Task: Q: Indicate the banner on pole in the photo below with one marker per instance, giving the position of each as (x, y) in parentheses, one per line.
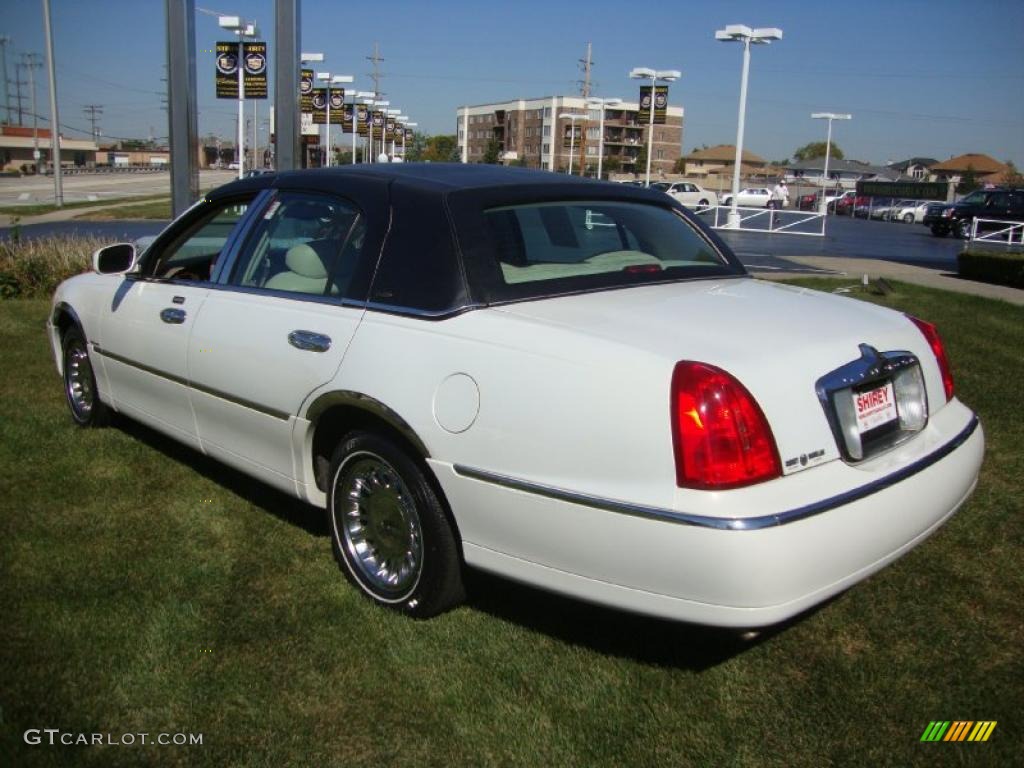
(660, 104)
(254, 73)
(363, 119)
(337, 97)
(320, 106)
(306, 91)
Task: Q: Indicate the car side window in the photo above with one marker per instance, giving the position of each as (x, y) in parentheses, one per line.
(303, 243)
(193, 253)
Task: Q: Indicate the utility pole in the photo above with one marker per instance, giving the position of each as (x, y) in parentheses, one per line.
(18, 83)
(51, 68)
(586, 65)
(30, 62)
(92, 112)
(376, 75)
(4, 40)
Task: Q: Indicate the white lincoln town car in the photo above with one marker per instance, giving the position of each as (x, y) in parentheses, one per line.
(569, 383)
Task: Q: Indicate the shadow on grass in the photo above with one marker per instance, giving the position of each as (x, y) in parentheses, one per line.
(282, 506)
(649, 640)
(607, 631)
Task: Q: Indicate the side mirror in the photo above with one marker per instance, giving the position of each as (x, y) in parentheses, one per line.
(115, 259)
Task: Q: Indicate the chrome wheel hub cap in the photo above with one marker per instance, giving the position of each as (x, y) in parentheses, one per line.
(78, 381)
(378, 525)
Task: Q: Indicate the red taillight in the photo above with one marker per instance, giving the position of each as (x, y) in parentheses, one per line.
(931, 335)
(721, 437)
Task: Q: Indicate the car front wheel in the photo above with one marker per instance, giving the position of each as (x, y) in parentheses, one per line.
(389, 530)
(963, 229)
(80, 383)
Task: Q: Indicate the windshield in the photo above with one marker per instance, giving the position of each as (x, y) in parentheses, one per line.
(976, 197)
(569, 246)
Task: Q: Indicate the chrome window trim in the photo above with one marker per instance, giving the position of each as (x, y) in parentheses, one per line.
(725, 523)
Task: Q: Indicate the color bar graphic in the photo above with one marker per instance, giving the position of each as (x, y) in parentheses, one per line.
(958, 730)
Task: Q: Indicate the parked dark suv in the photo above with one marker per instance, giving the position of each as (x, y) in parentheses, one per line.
(994, 206)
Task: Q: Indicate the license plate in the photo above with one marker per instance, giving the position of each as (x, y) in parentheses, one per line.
(874, 407)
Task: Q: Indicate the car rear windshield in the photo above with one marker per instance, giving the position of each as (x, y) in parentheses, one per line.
(556, 247)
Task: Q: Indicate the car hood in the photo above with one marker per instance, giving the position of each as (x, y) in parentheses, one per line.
(778, 340)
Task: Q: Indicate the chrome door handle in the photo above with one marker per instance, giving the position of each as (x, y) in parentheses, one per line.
(309, 341)
(173, 316)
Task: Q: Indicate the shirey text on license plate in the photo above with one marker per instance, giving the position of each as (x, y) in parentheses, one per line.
(874, 407)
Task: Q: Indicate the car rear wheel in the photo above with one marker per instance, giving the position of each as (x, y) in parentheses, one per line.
(908, 218)
(702, 206)
(80, 383)
(390, 532)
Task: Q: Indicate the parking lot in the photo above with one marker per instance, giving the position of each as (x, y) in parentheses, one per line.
(858, 238)
(32, 190)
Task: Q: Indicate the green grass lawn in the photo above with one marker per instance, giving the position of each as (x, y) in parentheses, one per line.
(37, 209)
(157, 209)
(144, 588)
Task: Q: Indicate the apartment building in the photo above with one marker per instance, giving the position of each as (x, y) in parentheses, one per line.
(532, 132)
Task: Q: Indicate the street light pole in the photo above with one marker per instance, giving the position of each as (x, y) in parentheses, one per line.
(601, 104)
(830, 116)
(572, 117)
(243, 29)
(355, 117)
(743, 34)
(666, 76)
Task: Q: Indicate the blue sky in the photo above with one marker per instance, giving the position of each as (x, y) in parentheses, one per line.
(931, 78)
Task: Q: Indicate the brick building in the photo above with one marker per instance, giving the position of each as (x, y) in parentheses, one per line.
(530, 132)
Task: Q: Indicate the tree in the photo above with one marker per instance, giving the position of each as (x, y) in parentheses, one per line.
(492, 155)
(679, 166)
(1013, 177)
(610, 164)
(440, 149)
(641, 160)
(817, 149)
(415, 147)
(968, 182)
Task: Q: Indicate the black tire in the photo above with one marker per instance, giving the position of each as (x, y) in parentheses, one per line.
(702, 206)
(80, 391)
(908, 218)
(939, 231)
(389, 530)
(963, 228)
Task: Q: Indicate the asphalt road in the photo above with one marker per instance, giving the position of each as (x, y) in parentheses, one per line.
(31, 190)
(902, 243)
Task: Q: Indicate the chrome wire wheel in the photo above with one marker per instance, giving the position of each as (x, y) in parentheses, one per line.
(78, 380)
(377, 523)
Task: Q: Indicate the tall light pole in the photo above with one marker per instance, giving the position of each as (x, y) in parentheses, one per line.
(406, 124)
(830, 116)
(331, 80)
(740, 33)
(243, 29)
(392, 113)
(665, 76)
(58, 187)
(373, 103)
(572, 117)
(355, 117)
(601, 104)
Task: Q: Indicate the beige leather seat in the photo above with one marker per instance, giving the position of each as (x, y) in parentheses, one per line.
(305, 273)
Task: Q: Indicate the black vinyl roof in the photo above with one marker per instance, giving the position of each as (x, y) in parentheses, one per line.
(439, 177)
